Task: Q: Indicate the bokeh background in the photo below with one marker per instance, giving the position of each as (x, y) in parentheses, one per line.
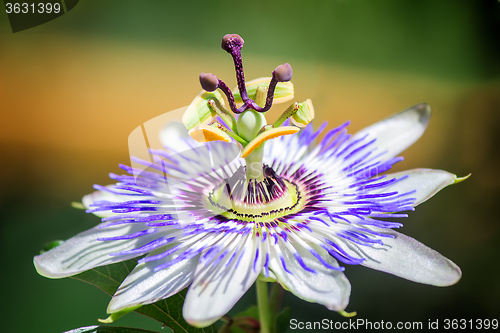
(73, 89)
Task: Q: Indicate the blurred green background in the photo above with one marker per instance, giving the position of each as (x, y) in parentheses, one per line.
(72, 90)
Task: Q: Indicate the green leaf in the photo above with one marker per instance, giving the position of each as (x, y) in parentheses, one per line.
(108, 278)
(283, 321)
(51, 245)
(167, 311)
(108, 329)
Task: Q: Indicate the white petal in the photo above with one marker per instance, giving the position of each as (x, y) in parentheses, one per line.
(217, 288)
(106, 196)
(328, 287)
(84, 251)
(175, 136)
(397, 132)
(405, 257)
(145, 286)
(426, 182)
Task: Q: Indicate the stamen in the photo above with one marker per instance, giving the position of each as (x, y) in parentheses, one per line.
(292, 109)
(204, 133)
(267, 135)
(228, 132)
(224, 114)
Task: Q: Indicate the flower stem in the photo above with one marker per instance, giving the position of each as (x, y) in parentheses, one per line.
(263, 304)
(218, 125)
(274, 305)
(254, 160)
(254, 164)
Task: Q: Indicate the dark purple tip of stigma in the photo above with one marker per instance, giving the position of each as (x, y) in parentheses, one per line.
(283, 73)
(232, 44)
(209, 81)
(230, 41)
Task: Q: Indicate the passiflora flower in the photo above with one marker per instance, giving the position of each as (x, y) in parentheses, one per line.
(246, 200)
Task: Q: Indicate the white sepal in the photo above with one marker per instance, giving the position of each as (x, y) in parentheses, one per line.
(145, 286)
(328, 287)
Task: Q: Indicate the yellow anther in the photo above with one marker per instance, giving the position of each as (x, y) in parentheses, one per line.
(304, 115)
(205, 133)
(267, 135)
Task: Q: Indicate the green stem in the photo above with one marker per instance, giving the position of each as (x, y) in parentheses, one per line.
(263, 304)
(250, 126)
(237, 138)
(254, 164)
(286, 114)
(224, 114)
(273, 305)
(218, 125)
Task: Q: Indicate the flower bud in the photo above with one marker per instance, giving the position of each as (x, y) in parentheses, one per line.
(283, 73)
(209, 81)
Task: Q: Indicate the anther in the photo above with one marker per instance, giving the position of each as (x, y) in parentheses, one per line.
(209, 81)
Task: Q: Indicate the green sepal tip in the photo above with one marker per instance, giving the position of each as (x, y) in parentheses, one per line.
(116, 315)
(347, 314)
(461, 179)
(77, 205)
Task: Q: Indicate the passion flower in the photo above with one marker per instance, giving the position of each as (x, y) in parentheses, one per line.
(255, 200)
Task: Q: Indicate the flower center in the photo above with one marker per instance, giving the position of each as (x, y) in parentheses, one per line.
(253, 200)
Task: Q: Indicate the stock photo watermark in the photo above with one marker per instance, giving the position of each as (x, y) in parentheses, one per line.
(28, 14)
(364, 324)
